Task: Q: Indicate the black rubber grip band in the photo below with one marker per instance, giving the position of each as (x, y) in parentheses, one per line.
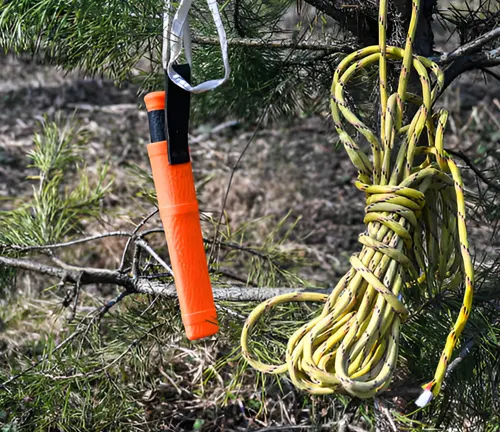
(156, 121)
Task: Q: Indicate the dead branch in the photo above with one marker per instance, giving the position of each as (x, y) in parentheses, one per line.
(143, 244)
(87, 275)
(20, 248)
(230, 293)
(470, 62)
(136, 230)
(469, 48)
(346, 48)
(145, 286)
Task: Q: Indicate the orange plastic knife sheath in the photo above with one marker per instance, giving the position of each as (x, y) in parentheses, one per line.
(174, 184)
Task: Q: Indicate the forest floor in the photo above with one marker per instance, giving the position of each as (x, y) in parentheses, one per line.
(296, 169)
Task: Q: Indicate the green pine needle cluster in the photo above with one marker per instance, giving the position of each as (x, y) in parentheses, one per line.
(97, 380)
(122, 40)
(57, 207)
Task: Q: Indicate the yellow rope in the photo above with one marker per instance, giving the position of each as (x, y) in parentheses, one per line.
(415, 216)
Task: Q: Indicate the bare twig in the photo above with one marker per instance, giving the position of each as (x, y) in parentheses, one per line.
(156, 276)
(145, 233)
(469, 48)
(279, 44)
(476, 170)
(143, 244)
(135, 261)
(75, 300)
(230, 181)
(262, 116)
(245, 149)
(108, 305)
(380, 404)
(137, 228)
(491, 73)
(21, 248)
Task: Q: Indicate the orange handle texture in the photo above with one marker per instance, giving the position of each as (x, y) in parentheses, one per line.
(179, 213)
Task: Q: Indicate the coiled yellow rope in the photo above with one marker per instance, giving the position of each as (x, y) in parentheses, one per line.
(413, 215)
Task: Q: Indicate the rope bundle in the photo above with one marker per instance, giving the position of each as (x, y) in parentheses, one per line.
(415, 216)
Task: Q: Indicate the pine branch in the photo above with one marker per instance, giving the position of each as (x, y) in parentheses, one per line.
(132, 345)
(470, 62)
(20, 248)
(137, 228)
(144, 286)
(279, 44)
(469, 48)
(80, 329)
(231, 294)
(41, 360)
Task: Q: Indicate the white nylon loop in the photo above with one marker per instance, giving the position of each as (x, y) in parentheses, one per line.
(179, 34)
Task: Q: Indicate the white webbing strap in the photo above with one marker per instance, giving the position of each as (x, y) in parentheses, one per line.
(178, 32)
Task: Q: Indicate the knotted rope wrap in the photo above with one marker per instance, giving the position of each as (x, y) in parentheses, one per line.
(415, 216)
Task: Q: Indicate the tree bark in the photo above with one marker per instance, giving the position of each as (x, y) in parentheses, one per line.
(232, 293)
